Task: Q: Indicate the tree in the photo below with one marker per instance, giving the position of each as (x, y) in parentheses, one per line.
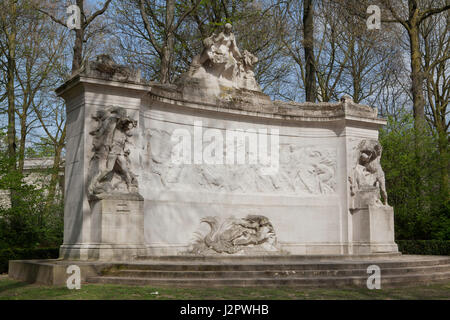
(257, 29)
(435, 41)
(39, 50)
(80, 34)
(9, 16)
(417, 12)
(165, 47)
(430, 220)
(348, 58)
(51, 115)
(308, 43)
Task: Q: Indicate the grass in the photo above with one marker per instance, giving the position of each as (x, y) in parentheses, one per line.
(16, 290)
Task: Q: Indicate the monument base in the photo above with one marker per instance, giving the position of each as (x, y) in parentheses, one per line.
(101, 251)
(373, 230)
(117, 231)
(240, 271)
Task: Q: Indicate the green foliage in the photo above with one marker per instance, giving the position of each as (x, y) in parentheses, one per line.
(44, 148)
(29, 221)
(428, 247)
(24, 254)
(421, 211)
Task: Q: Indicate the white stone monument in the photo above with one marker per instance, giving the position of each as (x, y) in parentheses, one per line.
(211, 166)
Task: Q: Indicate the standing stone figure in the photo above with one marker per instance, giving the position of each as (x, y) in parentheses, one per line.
(111, 154)
(368, 171)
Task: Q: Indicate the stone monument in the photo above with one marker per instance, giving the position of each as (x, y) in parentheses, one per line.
(307, 179)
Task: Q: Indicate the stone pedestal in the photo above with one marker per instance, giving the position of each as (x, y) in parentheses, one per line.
(373, 225)
(118, 219)
(117, 229)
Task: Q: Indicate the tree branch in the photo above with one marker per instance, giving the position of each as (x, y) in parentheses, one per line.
(148, 28)
(52, 17)
(98, 12)
(432, 11)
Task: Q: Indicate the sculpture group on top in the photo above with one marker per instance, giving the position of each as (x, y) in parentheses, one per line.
(222, 61)
(368, 174)
(110, 165)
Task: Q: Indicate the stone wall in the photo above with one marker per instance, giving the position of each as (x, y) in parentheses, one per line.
(306, 207)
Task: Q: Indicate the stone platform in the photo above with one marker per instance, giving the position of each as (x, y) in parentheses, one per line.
(243, 271)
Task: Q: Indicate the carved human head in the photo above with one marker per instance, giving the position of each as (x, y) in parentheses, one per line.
(378, 149)
(228, 28)
(364, 157)
(100, 115)
(126, 123)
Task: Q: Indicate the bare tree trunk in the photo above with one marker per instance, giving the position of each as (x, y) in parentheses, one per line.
(416, 76)
(308, 43)
(54, 179)
(167, 49)
(11, 65)
(418, 104)
(79, 38)
(23, 137)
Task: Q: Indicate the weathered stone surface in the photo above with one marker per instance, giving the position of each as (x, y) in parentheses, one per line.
(373, 229)
(307, 195)
(367, 175)
(221, 65)
(218, 271)
(253, 234)
(105, 67)
(109, 167)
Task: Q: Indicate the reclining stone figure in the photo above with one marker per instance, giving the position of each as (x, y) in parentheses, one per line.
(222, 61)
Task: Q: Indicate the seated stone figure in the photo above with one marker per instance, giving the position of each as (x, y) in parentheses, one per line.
(222, 54)
(222, 61)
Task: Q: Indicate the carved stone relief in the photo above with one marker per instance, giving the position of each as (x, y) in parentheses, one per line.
(367, 175)
(231, 235)
(302, 170)
(110, 168)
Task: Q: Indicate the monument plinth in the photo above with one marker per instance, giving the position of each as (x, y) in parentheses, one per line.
(212, 166)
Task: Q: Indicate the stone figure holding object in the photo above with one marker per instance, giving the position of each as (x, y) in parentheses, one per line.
(111, 153)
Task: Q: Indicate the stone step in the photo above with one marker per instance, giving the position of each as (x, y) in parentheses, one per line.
(268, 258)
(280, 273)
(359, 281)
(330, 265)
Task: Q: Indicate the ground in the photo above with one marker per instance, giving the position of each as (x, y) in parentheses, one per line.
(16, 290)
